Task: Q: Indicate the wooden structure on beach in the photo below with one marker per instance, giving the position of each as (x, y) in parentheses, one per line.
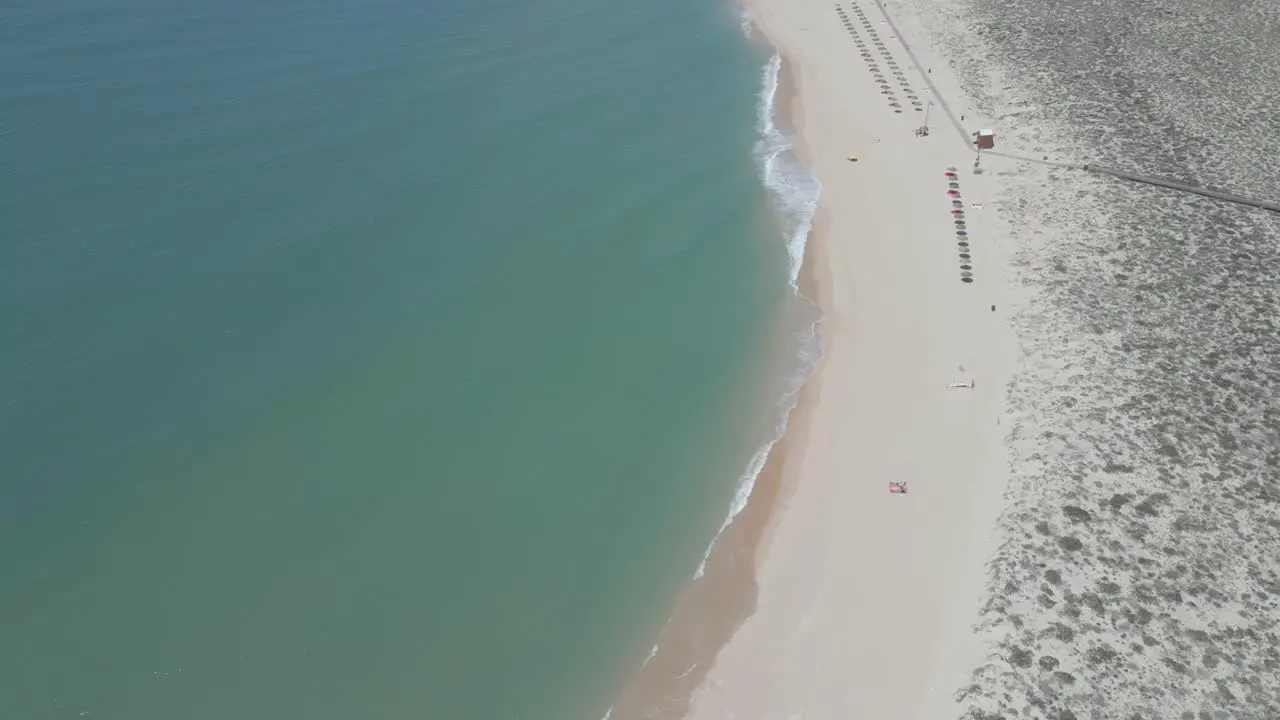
(985, 139)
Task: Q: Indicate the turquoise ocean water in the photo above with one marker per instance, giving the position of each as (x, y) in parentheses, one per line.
(371, 360)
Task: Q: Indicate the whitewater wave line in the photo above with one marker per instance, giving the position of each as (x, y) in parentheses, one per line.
(795, 193)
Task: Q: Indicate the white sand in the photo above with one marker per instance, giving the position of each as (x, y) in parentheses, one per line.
(867, 598)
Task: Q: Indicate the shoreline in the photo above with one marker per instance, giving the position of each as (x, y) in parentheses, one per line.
(722, 593)
(777, 647)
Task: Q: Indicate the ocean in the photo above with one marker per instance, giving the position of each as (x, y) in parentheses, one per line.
(377, 360)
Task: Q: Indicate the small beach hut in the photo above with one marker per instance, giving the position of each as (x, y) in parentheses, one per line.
(986, 139)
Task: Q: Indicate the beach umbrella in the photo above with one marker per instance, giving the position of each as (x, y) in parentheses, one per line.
(957, 212)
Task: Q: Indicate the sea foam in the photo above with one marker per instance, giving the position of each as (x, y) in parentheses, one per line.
(793, 192)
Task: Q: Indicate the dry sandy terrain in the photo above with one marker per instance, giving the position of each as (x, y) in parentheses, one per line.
(1091, 532)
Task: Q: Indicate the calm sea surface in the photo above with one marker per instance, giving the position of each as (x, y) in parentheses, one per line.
(368, 360)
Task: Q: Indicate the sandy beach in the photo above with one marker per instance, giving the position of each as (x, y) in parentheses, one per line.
(866, 597)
